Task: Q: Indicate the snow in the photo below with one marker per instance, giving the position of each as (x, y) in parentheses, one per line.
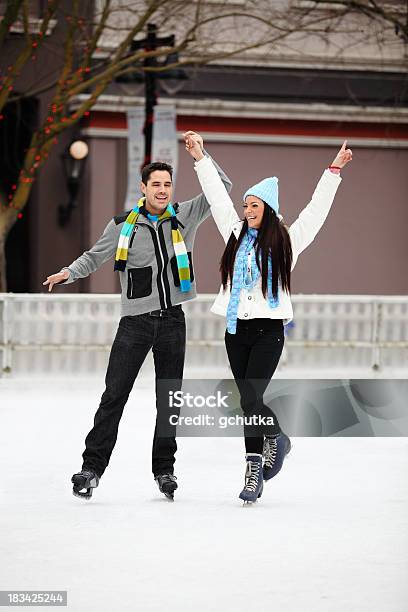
(329, 534)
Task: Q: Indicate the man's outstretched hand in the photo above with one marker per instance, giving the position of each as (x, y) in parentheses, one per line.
(54, 279)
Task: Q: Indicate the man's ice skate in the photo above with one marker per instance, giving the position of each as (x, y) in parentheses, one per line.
(274, 451)
(84, 482)
(167, 484)
(253, 479)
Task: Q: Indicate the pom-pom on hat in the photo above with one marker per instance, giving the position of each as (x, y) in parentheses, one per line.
(266, 190)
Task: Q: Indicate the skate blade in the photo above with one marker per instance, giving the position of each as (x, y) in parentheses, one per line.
(169, 496)
(248, 502)
(82, 494)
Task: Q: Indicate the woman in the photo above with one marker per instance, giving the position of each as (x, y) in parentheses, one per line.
(256, 267)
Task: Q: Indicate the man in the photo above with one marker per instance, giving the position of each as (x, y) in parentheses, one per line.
(152, 246)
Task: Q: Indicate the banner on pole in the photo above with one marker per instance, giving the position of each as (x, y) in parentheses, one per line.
(136, 153)
(165, 145)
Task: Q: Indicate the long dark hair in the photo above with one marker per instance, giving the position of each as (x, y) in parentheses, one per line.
(273, 239)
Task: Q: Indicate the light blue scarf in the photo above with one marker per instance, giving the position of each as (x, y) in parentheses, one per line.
(242, 280)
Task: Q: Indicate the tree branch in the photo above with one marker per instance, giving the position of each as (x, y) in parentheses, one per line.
(31, 46)
(10, 16)
(374, 11)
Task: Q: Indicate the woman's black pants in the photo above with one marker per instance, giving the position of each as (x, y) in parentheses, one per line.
(254, 352)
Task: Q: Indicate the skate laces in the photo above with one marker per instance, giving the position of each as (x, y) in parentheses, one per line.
(86, 474)
(270, 451)
(252, 476)
(168, 478)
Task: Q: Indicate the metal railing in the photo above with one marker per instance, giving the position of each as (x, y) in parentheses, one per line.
(337, 335)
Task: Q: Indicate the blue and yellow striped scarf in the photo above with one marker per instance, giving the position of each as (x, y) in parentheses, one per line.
(180, 250)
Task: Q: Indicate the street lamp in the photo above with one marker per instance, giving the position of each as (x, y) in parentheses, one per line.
(150, 43)
(73, 161)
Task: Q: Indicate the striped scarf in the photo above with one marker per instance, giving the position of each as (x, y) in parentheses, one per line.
(242, 279)
(180, 250)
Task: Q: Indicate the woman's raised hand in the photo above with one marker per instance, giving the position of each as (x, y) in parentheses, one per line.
(343, 157)
(194, 144)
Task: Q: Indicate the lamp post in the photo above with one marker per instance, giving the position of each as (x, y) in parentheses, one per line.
(73, 161)
(151, 43)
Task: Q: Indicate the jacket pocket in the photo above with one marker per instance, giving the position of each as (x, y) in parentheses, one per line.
(139, 282)
(174, 269)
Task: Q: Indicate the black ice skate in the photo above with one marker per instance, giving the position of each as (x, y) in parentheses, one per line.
(84, 482)
(167, 484)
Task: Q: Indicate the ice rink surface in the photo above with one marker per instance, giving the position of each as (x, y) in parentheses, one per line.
(330, 533)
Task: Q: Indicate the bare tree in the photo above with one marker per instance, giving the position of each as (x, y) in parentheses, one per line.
(95, 50)
(393, 13)
(84, 69)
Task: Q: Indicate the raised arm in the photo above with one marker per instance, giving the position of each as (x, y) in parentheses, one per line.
(91, 260)
(222, 207)
(304, 230)
(198, 208)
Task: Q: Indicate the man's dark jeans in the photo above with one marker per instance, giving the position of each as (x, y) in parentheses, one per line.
(136, 335)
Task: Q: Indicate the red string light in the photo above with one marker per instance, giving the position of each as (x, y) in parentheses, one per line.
(54, 109)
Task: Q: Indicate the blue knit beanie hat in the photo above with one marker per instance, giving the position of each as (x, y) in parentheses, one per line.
(266, 190)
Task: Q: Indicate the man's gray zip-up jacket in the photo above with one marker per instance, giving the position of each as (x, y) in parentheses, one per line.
(150, 280)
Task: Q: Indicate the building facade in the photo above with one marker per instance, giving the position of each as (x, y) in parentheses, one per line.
(283, 112)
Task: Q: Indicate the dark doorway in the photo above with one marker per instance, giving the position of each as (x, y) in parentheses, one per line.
(15, 135)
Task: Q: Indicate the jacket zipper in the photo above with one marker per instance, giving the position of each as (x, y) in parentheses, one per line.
(162, 262)
(166, 265)
(131, 283)
(160, 273)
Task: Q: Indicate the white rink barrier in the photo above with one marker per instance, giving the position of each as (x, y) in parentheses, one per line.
(331, 336)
